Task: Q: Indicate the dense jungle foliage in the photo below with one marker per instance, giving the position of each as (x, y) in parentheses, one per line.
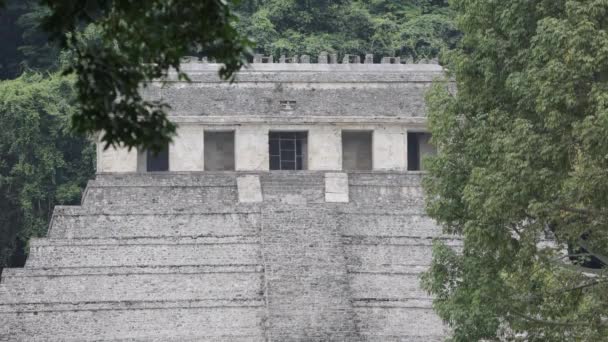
(42, 163)
(413, 29)
(522, 173)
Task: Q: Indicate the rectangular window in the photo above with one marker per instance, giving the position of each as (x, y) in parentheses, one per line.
(156, 162)
(356, 150)
(219, 151)
(287, 150)
(418, 146)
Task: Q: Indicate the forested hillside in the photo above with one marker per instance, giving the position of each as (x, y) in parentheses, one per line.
(408, 28)
(42, 163)
(24, 44)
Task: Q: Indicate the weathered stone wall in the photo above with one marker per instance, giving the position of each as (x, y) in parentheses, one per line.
(322, 99)
(331, 90)
(130, 265)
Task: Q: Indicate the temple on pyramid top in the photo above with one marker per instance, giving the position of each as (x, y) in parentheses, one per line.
(291, 115)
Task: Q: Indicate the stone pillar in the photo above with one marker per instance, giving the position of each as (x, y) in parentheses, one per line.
(118, 159)
(186, 152)
(324, 148)
(323, 58)
(333, 58)
(252, 148)
(389, 148)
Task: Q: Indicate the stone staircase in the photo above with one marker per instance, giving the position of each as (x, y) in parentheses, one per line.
(175, 257)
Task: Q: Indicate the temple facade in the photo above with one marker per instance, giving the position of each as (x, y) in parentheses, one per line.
(287, 208)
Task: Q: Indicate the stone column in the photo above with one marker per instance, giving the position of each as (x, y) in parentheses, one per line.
(252, 148)
(324, 148)
(186, 153)
(389, 148)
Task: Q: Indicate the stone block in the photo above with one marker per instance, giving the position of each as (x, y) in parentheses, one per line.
(249, 188)
(323, 58)
(336, 187)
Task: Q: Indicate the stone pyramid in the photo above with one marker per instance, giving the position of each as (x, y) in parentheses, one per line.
(246, 255)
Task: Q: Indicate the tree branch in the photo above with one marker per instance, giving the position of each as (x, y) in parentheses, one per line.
(584, 211)
(555, 323)
(602, 258)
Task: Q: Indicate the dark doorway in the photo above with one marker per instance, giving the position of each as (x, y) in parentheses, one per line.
(156, 162)
(219, 151)
(19, 255)
(418, 146)
(356, 150)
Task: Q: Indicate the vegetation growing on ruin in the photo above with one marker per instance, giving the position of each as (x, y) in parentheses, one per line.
(521, 174)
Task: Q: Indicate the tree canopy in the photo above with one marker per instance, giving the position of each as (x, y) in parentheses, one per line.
(138, 42)
(521, 173)
(25, 43)
(42, 162)
(414, 29)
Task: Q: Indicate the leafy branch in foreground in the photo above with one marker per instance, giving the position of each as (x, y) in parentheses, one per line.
(139, 41)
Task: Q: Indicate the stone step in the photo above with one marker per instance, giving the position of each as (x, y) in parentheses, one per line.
(388, 224)
(368, 254)
(293, 187)
(384, 287)
(371, 189)
(394, 323)
(177, 196)
(129, 284)
(200, 188)
(386, 190)
(169, 190)
(183, 251)
(109, 222)
(239, 321)
(207, 178)
(387, 196)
